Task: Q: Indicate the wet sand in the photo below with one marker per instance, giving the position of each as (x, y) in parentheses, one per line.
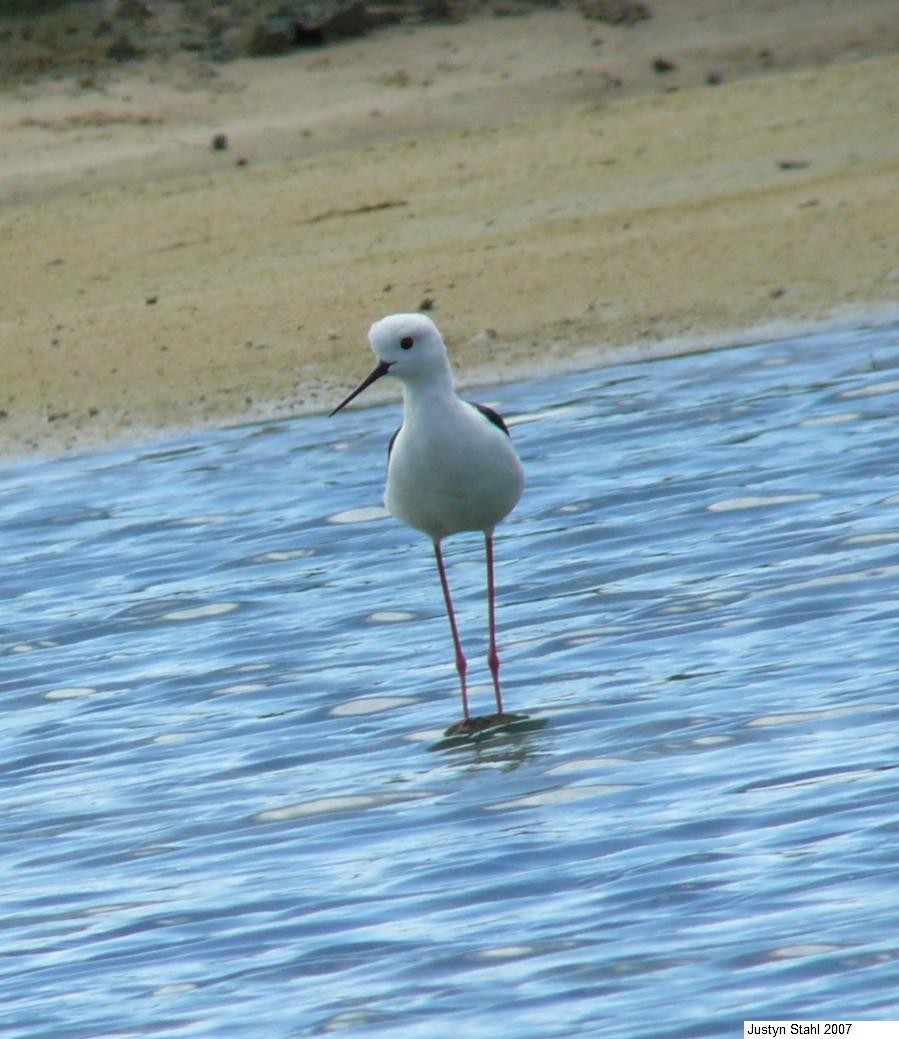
(534, 180)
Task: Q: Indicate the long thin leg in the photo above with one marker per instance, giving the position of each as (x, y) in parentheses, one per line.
(493, 654)
(461, 663)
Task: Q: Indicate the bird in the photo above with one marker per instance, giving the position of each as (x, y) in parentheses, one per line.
(451, 468)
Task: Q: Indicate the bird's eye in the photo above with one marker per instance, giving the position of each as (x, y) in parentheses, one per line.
(407, 342)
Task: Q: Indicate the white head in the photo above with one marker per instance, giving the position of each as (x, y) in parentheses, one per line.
(409, 347)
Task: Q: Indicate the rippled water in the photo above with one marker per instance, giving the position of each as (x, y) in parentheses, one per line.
(224, 670)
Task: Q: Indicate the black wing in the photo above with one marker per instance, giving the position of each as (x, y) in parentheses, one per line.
(492, 416)
(392, 441)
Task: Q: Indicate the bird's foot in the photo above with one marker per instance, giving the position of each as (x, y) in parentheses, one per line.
(470, 726)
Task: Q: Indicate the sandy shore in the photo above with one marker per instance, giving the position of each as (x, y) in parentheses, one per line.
(556, 200)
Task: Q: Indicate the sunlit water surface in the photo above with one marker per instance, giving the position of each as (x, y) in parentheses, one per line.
(224, 670)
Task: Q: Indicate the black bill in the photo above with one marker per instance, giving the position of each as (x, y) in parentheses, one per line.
(382, 369)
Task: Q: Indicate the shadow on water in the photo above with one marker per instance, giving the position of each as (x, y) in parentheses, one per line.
(223, 667)
(493, 729)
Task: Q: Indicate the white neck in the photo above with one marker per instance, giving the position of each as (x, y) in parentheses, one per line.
(430, 388)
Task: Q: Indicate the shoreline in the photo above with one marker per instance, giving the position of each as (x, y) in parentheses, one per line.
(549, 222)
(584, 358)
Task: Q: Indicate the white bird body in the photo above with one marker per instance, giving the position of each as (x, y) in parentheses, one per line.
(451, 465)
(451, 469)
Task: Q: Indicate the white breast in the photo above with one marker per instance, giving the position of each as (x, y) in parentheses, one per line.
(451, 472)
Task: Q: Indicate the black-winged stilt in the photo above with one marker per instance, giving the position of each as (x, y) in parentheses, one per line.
(451, 467)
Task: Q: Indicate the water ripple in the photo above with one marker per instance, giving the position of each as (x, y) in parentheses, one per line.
(226, 671)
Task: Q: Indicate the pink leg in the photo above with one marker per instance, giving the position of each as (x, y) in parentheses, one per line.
(493, 654)
(461, 664)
